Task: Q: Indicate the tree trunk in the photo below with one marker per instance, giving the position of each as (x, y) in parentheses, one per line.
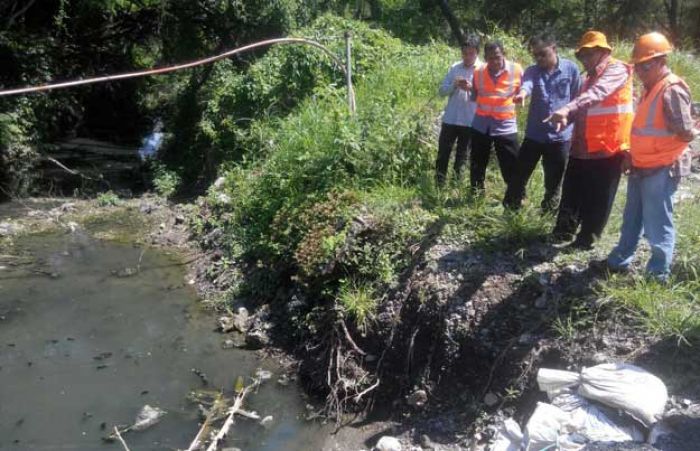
(672, 12)
(452, 20)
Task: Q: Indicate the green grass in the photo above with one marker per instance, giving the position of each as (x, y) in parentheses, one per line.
(359, 302)
(671, 309)
(300, 173)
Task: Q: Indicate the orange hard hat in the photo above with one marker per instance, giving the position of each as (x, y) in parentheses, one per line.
(592, 39)
(650, 46)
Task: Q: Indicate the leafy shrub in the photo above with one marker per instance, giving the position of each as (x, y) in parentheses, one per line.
(165, 181)
(108, 199)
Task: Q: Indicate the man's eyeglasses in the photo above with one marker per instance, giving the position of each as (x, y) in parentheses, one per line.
(644, 67)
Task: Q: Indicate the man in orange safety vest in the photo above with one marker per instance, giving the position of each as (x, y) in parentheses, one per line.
(663, 127)
(494, 124)
(602, 115)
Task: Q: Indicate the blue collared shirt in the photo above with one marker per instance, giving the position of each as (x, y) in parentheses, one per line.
(549, 91)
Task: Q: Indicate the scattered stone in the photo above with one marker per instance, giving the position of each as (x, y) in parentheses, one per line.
(490, 399)
(146, 209)
(267, 422)
(417, 399)
(228, 344)
(283, 380)
(388, 443)
(125, 272)
(230, 449)
(179, 219)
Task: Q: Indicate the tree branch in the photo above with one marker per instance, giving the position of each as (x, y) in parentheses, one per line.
(451, 19)
(19, 13)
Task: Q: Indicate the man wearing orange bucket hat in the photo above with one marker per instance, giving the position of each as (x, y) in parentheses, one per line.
(662, 128)
(602, 115)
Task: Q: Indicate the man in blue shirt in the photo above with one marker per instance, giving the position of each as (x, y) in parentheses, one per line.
(551, 83)
(459, 111)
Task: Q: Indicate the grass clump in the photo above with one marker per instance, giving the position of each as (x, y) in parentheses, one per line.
(107, 199)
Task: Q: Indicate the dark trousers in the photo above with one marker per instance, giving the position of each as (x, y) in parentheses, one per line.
(554, 157)
(588, 194)
(506, 153)
(450, 133)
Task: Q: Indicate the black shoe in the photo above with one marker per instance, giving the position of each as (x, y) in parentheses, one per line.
(602, 267)
(581, 245)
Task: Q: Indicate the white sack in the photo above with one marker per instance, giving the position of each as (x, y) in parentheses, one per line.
(621, 386)
(509, 437)
(626, 387)
(547, 427)
(593, 424)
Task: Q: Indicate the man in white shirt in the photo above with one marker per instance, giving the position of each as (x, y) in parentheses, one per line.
(459, 112)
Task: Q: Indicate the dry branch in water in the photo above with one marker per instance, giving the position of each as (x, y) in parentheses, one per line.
(235, 409)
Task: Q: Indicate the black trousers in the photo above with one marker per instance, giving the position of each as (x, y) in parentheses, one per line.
(450, 133)
(554, 156)
(506, 153)
(588, 194)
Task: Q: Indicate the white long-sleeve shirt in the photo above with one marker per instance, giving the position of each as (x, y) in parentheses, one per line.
(460, 109)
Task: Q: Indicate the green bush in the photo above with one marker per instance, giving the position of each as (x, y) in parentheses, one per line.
(165, 181)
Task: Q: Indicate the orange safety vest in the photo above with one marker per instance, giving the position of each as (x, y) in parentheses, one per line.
(609, 122)
(653, 144)
(495, 99)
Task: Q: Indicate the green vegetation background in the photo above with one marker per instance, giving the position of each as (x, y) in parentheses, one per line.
(333, 204)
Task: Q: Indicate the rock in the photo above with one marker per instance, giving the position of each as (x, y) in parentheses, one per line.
(257, 338)
(541, 302)
(234, 340)
(230, 449)
(8, 229)
(219, 182)
(179, 219)
(417, 399)
(283, 380)
(146, 209)
(225, 324)
(223, 198)
(388, 443)
(426, 443)
(490, 399)
(267, 422)
(67, 207)
(241, 320)
(147, 417)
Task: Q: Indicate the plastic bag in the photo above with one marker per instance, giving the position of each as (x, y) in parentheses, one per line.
(593, 424)
(622, 386)
(548, 428)
(509, 437)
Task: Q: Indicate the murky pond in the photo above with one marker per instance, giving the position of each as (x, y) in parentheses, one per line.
(82, 349)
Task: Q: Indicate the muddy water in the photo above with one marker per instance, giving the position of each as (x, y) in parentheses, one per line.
(82, 349)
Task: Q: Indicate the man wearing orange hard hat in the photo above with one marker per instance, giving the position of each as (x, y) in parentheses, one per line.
(662, 129)
(602, 115)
